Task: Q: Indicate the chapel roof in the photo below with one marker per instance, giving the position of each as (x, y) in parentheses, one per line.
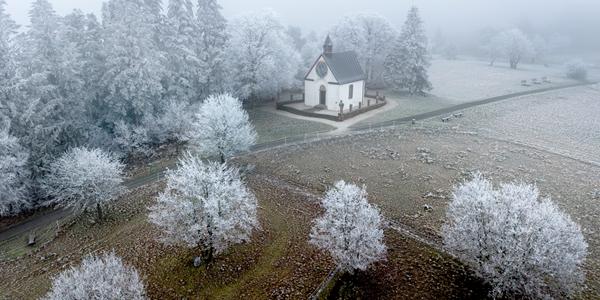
(344, 66)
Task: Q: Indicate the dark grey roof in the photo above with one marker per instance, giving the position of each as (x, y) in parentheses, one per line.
(345, 66)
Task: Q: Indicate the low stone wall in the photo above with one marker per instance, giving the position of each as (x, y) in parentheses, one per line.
(362, 110)
(283, 106)
(340, 117)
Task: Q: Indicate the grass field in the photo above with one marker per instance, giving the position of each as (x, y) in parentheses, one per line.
(466, 80)
(272, 127)
(406, 169)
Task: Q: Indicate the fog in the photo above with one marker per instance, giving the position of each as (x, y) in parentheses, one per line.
(461, 19)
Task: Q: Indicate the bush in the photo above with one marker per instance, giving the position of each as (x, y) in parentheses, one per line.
(519, 244)
(577, 70)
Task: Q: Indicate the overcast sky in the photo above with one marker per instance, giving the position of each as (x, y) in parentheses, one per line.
(452, 16)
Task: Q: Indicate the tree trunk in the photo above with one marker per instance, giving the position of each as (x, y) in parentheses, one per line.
(99, 212)
(209, 255)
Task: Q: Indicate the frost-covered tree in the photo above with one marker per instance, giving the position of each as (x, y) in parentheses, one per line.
(213, 37)
(84, 179)
(520, 244)
(222, 127)
(512, 44)
(261, 56)
(312, 48)
(576, 69)
(42, 113)
(98, 277)
(173, 125)
(14, 181)
(205, 206)
(134, 62)
(540, 48)
(185, 69)
(8, 29)
(371, 36)
(406, 65)
(350, 229)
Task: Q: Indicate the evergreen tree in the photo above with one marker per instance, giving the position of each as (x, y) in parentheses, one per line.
(43, 109)
(134, 65)
(406, 65)
(213, 37)
(8, 29)
(184, 67)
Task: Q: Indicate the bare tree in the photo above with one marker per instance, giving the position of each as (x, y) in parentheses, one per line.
(205, 206)
(350, 229)
(98, 277)
(519, 244)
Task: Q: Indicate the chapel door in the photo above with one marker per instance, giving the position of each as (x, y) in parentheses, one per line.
(323, 95)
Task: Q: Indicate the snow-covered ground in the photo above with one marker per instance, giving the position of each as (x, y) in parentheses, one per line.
(467, 80)
(565, 122)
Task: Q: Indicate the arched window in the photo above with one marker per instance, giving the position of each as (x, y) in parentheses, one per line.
(351, 91)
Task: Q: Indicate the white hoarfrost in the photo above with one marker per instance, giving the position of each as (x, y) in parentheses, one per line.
(520, 244)
(222, 127)
(371, 36)
(407, 63)
(14, 178)
(205, 206)
(98, 277)
(576, 69)
(350, 229)
(84, 179)
(261, 56)
(512, 44)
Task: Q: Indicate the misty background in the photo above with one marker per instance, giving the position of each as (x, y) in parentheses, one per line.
(574, 22)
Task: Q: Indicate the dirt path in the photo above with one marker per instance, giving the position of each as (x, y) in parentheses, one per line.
(50, 216)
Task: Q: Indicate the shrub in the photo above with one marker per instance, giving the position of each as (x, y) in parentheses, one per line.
(577, 70)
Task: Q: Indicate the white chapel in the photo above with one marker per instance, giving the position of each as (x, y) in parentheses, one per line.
(334, 78)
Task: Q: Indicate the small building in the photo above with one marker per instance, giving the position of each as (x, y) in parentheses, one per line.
(334, 78)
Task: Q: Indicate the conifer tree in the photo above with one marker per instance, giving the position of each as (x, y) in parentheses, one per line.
(213, 37)
(184, 67)
(406, 65)
(8, 29)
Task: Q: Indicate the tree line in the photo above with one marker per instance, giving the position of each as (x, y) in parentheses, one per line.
(136, 77)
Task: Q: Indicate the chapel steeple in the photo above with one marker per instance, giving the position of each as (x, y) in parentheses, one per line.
(328, 46)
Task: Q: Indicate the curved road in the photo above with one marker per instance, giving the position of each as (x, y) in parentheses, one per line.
(51, 216)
